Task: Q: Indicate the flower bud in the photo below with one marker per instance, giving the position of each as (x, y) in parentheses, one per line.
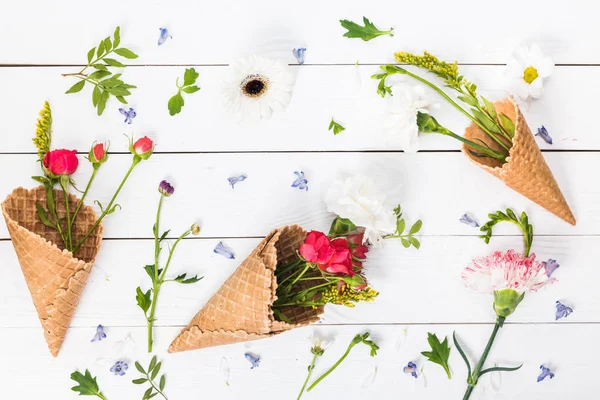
(98, 154)
(195, 229)
(506, 301)
(143, 147)
(61, 162)
(166, 189)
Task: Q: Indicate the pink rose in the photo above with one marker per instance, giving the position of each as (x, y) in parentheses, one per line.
(316, 249)
(341, 262)
(143, 147)
(61, 162)
(98, 154)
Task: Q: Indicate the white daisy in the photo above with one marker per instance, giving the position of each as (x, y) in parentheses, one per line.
(403, 106)
(257, 87)
(526, 71)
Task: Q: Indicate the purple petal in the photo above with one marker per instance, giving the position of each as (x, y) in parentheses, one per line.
(254, 360)
(235, 179)
(543, 133)
(466, 219)
(224, 251)
(550, 266)
(562, 311)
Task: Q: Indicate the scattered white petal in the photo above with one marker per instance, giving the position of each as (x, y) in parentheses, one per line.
(369, 379)
(401, 339)
(224, 370)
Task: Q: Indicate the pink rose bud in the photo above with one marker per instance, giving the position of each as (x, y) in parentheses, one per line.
(143, 147)
(61, 162)
(98, 154)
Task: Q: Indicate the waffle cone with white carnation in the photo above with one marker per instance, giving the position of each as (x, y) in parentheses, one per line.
(241, 310)
(55, 277)
(525, 169)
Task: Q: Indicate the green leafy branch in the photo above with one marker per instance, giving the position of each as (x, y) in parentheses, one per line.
(87, 384)
(176, 102)
(407, 239)
(150, 375)
(337, 128)
(366, 33)
(440, 352)
(104, 82)
(509, 216)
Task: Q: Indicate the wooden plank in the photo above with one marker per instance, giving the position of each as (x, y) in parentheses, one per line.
(437, 188)
(213, 34)
(416, 286)
(346, 93)
(284, 360)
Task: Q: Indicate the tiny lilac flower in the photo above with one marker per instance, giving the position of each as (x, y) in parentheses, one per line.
(300, 182)
(299, 54)
(543, 133)
(119, 368)
(411, 368)
(562, 311)
(224, 251)
(164, 34)
(255, 361)
(466, 219)
(195, 229)
(166, 189)
(545, 373)
(550, 266)
(99, 334)
(235, 179)
(129, 115)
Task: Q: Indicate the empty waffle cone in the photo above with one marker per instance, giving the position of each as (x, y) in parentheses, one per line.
(525, 169)
(241, 310)
(54, 276)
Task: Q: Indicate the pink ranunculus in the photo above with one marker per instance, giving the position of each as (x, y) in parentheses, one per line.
(98, 154)
(341, 262)
(316, 248)
(143, 147)
(61, 162)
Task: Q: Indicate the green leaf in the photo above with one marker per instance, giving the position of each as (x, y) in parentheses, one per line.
(111, 82)
(485, 120)
(415, 242)
(175, 104)
(139, 367)
(152, 364)
(121, 99)
(99, 74)
(499, 369)
(87, 384)
(337, 128)
(90, 55)
(140, 381)
(123, 52)
(400, 226)
(143, 300)
(190, 76)
(163, 381)
(100, 67)
(440, 352)
(117, 37)
(507, 124)
(164, 235)
(366, 33)
(416, 227)
(147, 393)
(43, 214)
(469, 100)
(489, 107)
(405, 242)
(76, 87)
(341, 227)
(96, 96)
(182, 279)
(114, 63)
(155, 371)
(118, 91)
(107, 44)
(100, 50)
(462, 353)
(190, 89)
(150, 271)
(102, 103)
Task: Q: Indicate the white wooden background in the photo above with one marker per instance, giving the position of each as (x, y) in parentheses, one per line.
(197, 150)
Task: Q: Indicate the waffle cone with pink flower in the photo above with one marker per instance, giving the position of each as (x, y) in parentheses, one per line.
(525, 169)
(55, 277)
(241, 311)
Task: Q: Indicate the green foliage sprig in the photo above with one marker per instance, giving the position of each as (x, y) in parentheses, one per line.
(509, 216)
(87, 384)
(337, 128)
(189, 78)
(43, 131)
(102, 79)
(440, 352)
(366, 33)
(149, 376)
(407, 239)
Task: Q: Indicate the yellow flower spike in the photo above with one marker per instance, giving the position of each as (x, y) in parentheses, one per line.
(43, 131)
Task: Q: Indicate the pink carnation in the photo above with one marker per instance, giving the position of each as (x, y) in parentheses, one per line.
(502, 270)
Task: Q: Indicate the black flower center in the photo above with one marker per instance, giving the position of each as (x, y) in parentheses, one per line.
(254, 85)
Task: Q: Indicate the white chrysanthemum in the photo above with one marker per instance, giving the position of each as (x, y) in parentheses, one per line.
(359, 200)
(526, 71)
(257, 87)
(403, 106)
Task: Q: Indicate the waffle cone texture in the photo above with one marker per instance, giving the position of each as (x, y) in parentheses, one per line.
(525, 169)
(241, 309)
(55, 277)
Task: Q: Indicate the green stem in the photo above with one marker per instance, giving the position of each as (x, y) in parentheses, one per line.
(136, 161)
(488, 151)
(150, 319)
(85, 193)
(300, 304)
(183, 235)
(315, 383)
(310, 370)
(472, 380)
(101, 396)
(65, 188)
(155, 388)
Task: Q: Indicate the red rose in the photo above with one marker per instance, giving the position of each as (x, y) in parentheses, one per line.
(98, 154)
(341, 262)
(61, 162)
(316, 249)
(142, 147)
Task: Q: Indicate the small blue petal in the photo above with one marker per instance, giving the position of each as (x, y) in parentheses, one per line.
(119, 368)
(543, 133)
(546, 372)
(550, 266)
(300, 182)
(255, 361)
(411, 368)
(164, 34)
(299, 54)
(224, 251)
(99, 334)
(562, 311)
(235, 179)
(129, 115)
(466, 219)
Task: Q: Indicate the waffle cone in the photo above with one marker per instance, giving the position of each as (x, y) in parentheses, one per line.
(241, 310)
(55, 277)
(525, 170)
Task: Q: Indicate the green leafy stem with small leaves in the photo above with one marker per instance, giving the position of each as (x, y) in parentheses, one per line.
(104, 82)
(147, 300)
(149, 376)
(177, 102)
(509, 216)
(407, 239)
(87, 384)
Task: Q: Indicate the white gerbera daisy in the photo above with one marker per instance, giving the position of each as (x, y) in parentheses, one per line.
(526, 71)
(257, 87)
(401, 121)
